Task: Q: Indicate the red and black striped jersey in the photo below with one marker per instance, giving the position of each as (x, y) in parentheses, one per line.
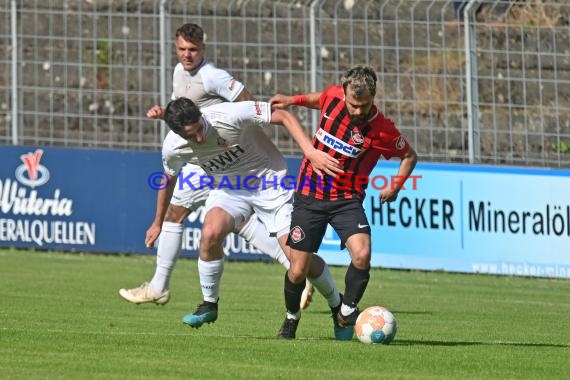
(357, 147)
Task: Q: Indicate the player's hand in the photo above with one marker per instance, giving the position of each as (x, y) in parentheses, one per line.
(389, 195)
(280, 101)
(323, 163)
(151, 235)
(155, 112)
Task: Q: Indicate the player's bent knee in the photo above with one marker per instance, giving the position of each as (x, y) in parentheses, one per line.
(296, 277)
(212, 235)
(298, 273)
(361, 260)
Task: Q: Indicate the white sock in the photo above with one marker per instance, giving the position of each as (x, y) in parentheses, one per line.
(346, 310)
(255, 233)
(295, 316)
(326, 286)
(210, 276)
(169, 245)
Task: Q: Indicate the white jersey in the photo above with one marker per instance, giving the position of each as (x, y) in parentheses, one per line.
(206, 85)
(235, 145)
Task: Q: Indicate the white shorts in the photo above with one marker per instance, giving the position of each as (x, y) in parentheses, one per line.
(187, 196)
(272, 206)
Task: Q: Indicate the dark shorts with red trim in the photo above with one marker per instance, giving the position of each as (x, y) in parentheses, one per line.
(311, 216)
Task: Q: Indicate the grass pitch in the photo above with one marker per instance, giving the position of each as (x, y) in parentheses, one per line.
(61, 317)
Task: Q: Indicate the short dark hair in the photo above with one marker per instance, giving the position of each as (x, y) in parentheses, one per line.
(181, 112)
(191, 33)
(360, 78)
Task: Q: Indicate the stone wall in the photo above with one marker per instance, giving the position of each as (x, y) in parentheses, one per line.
(90, 70)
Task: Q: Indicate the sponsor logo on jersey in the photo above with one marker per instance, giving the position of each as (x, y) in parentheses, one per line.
(31, 173)
(297, 234)
(225, 160)
(222, 142)
(337, 144)
(401, 143)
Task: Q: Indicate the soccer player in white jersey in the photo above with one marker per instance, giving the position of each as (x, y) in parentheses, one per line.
(247, 173)
(197, 79)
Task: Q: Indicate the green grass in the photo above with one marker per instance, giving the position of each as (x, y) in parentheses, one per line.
(61, 317)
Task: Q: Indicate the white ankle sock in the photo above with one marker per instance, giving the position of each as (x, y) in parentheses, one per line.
(346, 310)
(169, 244)
(210, 276)
(295, 316)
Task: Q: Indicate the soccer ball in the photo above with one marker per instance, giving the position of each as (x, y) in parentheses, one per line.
(376, 324)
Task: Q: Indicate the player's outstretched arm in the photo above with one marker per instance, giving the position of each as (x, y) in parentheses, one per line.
(163, 198)
(322, 162)
(310, 100)
(407, 165)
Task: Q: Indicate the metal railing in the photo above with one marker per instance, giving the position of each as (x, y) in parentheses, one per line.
(492, 88)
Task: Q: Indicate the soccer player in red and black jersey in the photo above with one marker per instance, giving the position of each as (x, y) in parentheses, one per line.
(353, 131)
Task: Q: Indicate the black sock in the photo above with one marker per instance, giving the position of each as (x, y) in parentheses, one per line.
(293, 294)
(355, 282)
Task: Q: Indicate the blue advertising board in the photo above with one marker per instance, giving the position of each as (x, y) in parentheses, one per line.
(479, 219)
(499, 220)
(87, 200)
(75, 199)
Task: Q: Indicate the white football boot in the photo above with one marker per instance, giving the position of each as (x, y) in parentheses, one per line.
(144, 294)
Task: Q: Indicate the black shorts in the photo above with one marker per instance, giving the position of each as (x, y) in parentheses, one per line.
(310, 218)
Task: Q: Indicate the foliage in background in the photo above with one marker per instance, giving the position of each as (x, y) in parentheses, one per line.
(100, 58)
(562, 147)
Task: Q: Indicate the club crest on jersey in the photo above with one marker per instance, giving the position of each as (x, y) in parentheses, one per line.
(297, 234)
(401, 143)
(222, 142)
(357, 138)
(337, 144)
